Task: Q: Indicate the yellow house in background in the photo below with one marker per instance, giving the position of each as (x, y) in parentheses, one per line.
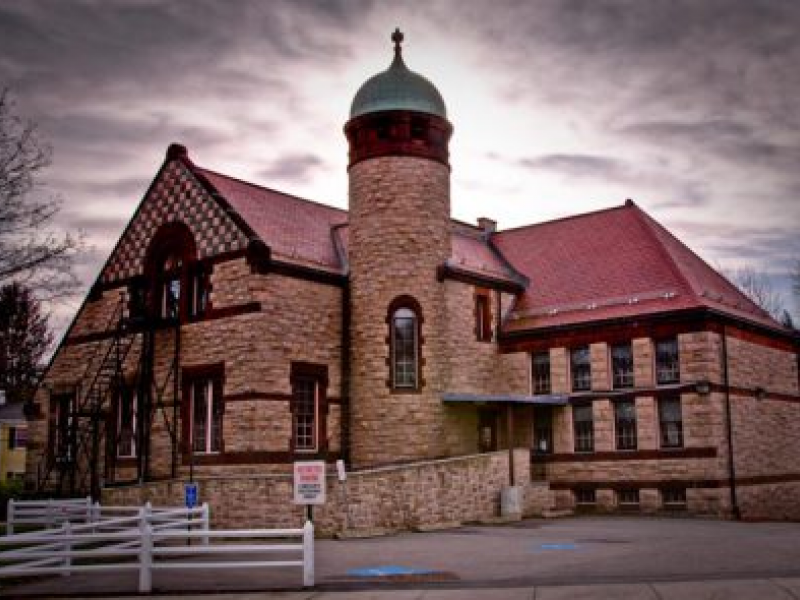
(13, 441)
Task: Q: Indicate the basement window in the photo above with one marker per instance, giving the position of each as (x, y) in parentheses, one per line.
(673, 498)
(628, 498)
(585, 497)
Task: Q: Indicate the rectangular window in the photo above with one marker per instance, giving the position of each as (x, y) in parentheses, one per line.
(17, 437)
(306, 408)
(667, 362)
(585, 496)
(309, 407)
(198, 301)
(670, 421)
(580, 369)
(483, 318)
(625, 424)
(126, 423)
(206, 415)
(622, 366)
(583, 427)
(673, 498)
(540, 371)
(60, 426)
(628, 498)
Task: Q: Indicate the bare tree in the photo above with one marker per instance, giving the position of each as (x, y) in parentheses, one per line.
(25, 338)
(31, 252)
(756, 286)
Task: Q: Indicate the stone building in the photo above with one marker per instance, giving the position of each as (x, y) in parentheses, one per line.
(593, 362)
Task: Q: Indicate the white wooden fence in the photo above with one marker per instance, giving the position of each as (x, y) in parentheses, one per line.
(151, 539)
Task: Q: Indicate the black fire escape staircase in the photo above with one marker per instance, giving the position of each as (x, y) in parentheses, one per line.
(92, 439)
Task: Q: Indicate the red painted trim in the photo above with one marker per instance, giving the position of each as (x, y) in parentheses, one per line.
(478, 279)
(264, 457)
(626, 455)
(227, 312)
(398, 133)
(667, 483)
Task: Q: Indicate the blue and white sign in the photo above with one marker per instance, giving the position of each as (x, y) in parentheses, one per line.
(191, 493)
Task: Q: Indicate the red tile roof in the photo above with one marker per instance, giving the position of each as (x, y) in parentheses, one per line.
(609, 264)
(295, 229)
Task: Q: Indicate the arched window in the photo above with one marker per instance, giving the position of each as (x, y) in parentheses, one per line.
(178, 283)
(169, 286)
(405, 320)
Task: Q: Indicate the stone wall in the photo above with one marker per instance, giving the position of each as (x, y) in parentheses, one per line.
(414, 496)
(766, 429)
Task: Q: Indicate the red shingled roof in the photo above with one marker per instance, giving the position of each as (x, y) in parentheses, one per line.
(609, 264)
(295, 229)
(612, 263)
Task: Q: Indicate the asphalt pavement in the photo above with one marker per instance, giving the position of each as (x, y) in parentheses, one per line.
(576, 558)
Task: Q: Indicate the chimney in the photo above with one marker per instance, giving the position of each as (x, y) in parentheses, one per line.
(487, 225)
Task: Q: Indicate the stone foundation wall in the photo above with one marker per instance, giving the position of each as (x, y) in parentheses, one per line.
(414, 496)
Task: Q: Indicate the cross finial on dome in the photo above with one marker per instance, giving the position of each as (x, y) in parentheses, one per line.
(397, 38)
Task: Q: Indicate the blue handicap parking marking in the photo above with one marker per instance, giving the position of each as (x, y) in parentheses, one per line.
(558, 547)
(384, 570)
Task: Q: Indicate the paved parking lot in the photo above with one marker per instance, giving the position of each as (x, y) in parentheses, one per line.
(635, 557)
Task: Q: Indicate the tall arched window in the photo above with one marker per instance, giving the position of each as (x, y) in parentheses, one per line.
(169, 286)
(405, 318)
(177, 280)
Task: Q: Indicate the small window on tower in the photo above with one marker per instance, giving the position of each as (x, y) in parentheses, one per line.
(383, 129)
(418, 129)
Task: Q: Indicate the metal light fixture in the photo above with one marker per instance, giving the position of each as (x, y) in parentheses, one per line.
(703, 387)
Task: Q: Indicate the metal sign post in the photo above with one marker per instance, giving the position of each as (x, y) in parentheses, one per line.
(309, 484)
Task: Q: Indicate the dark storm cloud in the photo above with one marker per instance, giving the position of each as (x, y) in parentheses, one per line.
(296, 167)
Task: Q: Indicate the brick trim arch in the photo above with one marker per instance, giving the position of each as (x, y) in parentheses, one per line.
(171, 238)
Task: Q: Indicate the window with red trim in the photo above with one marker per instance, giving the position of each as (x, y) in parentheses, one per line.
(204, 409)
(483, 317)
(309, 407)
(405, 322)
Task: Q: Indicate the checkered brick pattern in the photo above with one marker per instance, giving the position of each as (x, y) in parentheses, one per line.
(176, 196)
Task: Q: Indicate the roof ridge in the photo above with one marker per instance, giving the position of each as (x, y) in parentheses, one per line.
(644, 221)
(652, 225)
(590, 213)
(272, 190)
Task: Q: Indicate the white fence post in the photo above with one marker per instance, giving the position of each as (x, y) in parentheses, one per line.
(308, 554)
(67, 529)
(146, 559)
(88, 511)
(51, 519)
(10, 517)
(205, 525)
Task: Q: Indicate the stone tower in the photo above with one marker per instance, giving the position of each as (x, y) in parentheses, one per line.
(399, 235)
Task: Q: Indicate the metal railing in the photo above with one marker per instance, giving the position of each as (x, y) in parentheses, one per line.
(149, 539)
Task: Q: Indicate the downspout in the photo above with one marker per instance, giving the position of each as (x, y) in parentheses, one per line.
(344, 419)
(729, 426)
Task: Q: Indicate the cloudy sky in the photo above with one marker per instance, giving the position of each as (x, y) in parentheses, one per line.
(689, 107)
